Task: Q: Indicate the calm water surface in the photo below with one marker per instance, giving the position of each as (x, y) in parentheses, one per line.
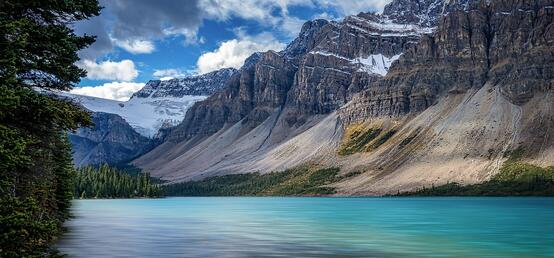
(311, 227)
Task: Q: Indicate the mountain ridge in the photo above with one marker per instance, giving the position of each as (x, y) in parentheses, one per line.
(281, 96)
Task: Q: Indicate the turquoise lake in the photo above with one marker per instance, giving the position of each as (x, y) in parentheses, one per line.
(311, 227)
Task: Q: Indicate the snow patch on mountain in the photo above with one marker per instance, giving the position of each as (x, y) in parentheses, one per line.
(372, 64)
(378, 64)
(145, 115)
(325, 53)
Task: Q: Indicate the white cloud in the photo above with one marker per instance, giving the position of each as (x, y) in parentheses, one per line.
(167, 74)
(245, 9)
(292, 25)
(121, 91)
(109, 70)
(136, 46)
(232, 53)
(191, 36)
(267, 12)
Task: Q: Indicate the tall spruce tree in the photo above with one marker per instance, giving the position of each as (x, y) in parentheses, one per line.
(38, 49)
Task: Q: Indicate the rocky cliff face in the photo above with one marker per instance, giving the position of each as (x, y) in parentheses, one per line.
(458, 102)
(505, 43)
(111, 140)
(426, 13)
(316, 74)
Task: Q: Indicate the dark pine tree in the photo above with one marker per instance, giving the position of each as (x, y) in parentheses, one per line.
(38, 50)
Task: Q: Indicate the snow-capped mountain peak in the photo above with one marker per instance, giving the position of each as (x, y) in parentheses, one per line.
(159, 103)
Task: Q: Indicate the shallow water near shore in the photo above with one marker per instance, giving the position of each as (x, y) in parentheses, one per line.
(311, 227)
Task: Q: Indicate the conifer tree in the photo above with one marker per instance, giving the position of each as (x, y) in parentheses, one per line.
(38, 49)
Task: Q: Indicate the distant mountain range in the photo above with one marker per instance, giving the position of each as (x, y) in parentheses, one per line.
(125, 129)
(428, 92)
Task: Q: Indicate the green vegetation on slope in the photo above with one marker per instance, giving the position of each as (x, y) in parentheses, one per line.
(37, 50)
(382, 139)
(514, 179)
(107, 182)
(357, 138)
(296, 181)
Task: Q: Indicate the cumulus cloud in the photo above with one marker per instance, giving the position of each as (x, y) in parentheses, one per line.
(232, 53)
(267, 12)
(121, 91)
(246, 9)
(292, 25)
(109, 70)
(191, 35)
(136, 46)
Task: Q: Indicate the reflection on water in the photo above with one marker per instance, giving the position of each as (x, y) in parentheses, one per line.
(311, 227)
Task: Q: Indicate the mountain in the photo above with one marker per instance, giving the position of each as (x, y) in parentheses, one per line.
(461, 102)
(112, 140)
(126, 129)
(279, 95)
(439, 92)
(158, 104)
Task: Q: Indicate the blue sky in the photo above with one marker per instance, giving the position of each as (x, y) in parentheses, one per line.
(140, 40)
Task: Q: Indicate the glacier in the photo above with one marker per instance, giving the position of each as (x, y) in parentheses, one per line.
(145, 115)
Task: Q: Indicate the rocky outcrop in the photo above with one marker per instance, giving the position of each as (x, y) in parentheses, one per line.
(229, 105)
(111, 140)
(425, 13)
(520, 52)
(306, 40)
